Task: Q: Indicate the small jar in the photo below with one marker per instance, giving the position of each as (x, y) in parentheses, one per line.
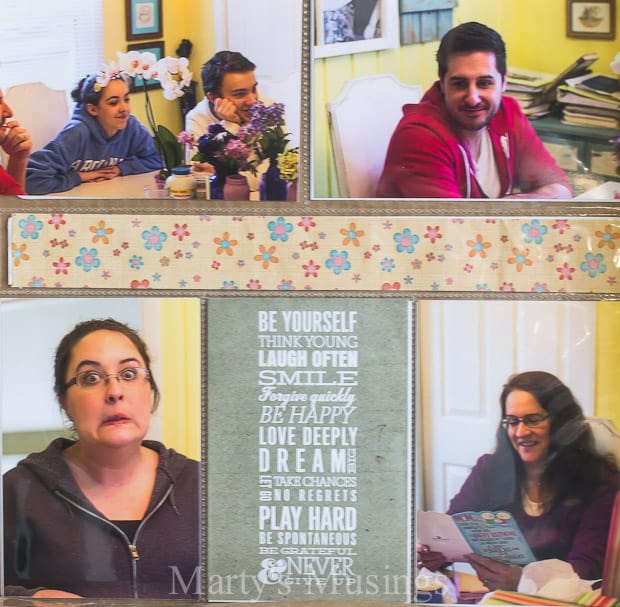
(180, 184)
(200, 183)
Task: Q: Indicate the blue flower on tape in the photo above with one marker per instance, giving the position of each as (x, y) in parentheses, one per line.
(30, 227)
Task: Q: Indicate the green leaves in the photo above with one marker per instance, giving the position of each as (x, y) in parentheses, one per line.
(169, 147)
(272, 143)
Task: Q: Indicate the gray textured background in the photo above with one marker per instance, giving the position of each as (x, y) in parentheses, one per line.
(381, 562)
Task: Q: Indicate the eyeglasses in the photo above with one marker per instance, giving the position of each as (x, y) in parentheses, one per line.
(531, 420)
(94, 378)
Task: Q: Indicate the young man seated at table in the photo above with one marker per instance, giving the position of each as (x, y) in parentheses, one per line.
(230, 89)
(464, 139)
(16, 144)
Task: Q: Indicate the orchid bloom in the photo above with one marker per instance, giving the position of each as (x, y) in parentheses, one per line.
(109, 72)
(174, 76)
(134, 63)
(171, 72)
(615, 64)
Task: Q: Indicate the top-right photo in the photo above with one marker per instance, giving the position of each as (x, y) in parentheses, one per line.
(419, 99)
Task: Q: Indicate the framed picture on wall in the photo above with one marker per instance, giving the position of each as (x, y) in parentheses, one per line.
(594, 20)
(157, 48)
(343, 27)
(143, 19)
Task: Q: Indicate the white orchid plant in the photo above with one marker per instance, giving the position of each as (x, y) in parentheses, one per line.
(175, 78)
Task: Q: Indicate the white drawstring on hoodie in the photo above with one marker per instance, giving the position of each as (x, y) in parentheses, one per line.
(471, 173)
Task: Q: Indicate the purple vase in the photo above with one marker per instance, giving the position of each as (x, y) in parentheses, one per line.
(272, 186)
(216, 186)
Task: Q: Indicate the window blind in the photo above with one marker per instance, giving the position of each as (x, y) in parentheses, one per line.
(56, 43)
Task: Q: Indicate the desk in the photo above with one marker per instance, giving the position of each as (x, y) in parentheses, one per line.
(578, 148)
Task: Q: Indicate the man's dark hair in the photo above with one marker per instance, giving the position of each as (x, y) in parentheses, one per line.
(213, 71)
(471, 37)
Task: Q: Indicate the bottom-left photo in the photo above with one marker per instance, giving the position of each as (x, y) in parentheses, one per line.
(100, 403)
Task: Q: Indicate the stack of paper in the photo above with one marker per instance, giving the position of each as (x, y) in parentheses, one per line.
(531, 90)
(591, 100)
(536, 91)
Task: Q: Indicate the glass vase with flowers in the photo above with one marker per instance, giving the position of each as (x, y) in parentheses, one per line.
(226, 153)
(265, 133)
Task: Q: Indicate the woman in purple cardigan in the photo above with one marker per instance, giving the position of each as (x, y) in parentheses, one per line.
(546, 472)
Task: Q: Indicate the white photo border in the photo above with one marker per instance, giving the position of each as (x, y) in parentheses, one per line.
(390, 33)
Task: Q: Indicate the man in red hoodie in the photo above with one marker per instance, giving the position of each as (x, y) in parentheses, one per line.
(16, 144)
(465, 139)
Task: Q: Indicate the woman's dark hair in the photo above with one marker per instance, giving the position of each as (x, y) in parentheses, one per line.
(86, 92)
(81, 330)
(568, 423)
(573, 467)
(213, 71)
(471, 37)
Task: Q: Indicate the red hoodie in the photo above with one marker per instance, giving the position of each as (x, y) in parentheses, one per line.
(8, 185)
(425, 159)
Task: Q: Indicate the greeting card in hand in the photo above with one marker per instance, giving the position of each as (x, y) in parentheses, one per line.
(494, 534)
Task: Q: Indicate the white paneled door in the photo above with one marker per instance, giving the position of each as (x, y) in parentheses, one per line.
(467, 350)
(268, 32)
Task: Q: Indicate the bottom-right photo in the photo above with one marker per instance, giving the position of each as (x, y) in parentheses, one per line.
(518, 449)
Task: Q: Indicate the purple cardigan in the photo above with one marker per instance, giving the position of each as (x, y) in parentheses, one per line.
(574, 531)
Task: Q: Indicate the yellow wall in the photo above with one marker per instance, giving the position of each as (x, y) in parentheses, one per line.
(535, 36)
(180, 376)
(608, 361)
(192, 19)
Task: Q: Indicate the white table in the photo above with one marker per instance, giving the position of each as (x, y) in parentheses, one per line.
(129, 186)
(610, 190)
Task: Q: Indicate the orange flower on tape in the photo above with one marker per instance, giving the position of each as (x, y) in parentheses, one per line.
(520, 258)
(607, 237)
(266, 255)
(351, 235)
(478, 246)
(225, 244)
(19, 253)
(101, 233)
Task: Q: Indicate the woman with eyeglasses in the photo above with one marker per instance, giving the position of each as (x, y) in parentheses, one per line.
(109, 514)
(546, 472)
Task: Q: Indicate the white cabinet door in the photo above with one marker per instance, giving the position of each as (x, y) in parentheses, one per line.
(268, 32)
